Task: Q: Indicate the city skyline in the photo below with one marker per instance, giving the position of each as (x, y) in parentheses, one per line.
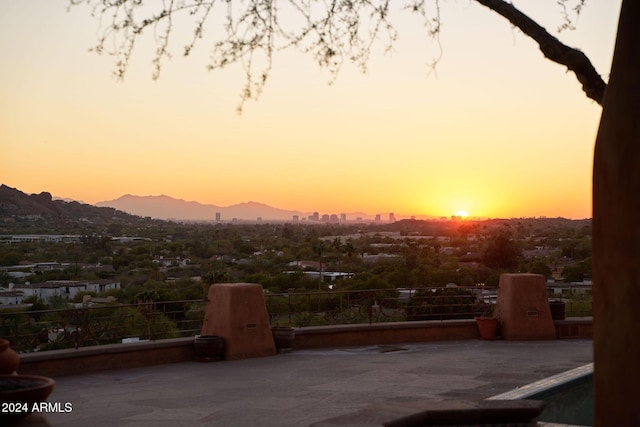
(167, 207)
(164, 207)
(496, 131)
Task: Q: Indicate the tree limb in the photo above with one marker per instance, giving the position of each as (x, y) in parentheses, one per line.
(553, 49)
(333, 31)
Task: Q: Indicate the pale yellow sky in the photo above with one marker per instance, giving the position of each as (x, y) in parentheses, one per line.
(498, 131)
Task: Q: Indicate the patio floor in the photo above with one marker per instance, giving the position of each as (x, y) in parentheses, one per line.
(306, 386)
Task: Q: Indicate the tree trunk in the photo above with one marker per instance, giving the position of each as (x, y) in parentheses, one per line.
(616, 233)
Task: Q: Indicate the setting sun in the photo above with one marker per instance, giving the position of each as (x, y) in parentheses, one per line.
(462, 214)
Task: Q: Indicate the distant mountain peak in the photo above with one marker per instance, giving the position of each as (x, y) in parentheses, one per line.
(167, 207)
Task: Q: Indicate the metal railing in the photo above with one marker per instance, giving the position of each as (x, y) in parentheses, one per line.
(578, 299)
(372, 306)
(84, 325)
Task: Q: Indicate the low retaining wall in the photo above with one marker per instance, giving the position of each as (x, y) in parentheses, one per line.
(57, 363)
(574, 328)
(384, 333)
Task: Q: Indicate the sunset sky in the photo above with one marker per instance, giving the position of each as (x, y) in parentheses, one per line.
(497, 131)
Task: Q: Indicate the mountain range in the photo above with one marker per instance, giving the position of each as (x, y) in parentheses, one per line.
(15, 202)
(165, 207)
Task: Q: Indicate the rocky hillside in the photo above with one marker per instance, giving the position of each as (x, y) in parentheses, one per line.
(15, 203)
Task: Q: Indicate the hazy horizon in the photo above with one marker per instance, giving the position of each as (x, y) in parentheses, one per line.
(258, 202)
(352, 214)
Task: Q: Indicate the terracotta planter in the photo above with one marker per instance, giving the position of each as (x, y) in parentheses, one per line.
(488, 327)
(558, 309)
(209, 348)
(9, 359)
(283, 337)
(18, 394)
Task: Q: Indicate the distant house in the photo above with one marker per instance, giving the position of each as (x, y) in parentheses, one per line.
(562, 288)
(44, 291)
(32, 268)
(66, 289)
(102, 285)
(88, 300)
(55, 238)
(306, 265)
(329, 275)
(172, 262)
(471, 259)
(129, 239)
(379, 257)
(11, 297)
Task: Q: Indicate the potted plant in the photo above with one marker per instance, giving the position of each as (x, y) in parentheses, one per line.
(487, 322)
(283, 337)
(208, 348)
(9, 359)
(558, 309)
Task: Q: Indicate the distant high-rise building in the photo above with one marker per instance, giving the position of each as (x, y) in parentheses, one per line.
(334, 218)
(326, 218)
(392, 217)
(217, 216)
(315, 217)
(377, 219)
(343, 217)
(296, 218)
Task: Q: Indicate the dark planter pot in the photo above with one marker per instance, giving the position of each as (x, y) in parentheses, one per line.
(9, 359)
(209, 348)
(19, 393)
(558, 309)
(488, 327)
(283, 337)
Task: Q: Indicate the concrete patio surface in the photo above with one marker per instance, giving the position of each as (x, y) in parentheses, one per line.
(306, 386)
